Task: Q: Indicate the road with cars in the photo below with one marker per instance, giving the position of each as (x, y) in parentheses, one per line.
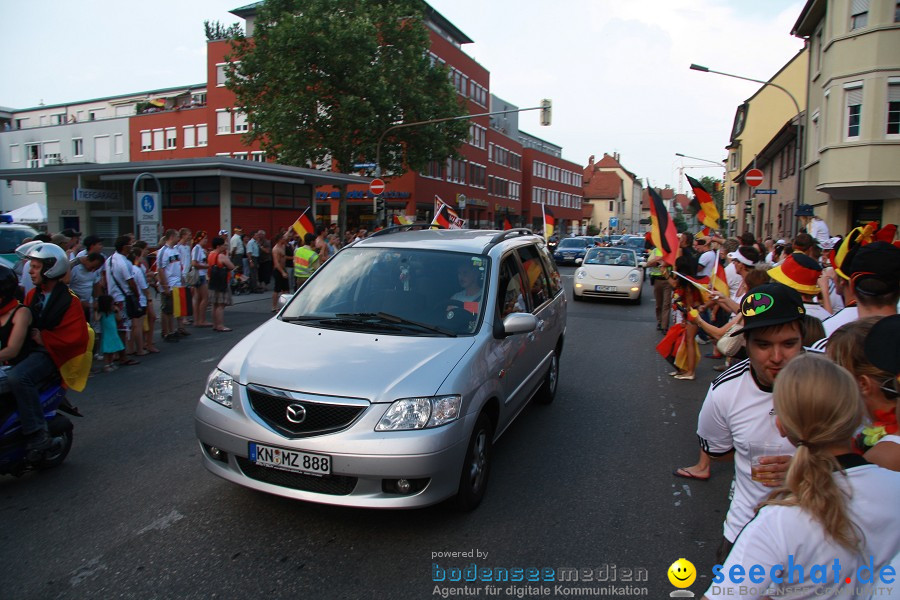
(584, 483)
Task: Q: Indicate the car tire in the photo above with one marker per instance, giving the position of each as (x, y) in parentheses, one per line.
(476, 467)
(576, 297)
(637, 300)
(547, 392)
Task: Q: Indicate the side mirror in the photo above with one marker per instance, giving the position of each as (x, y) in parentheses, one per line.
(283, 300)
(643, 264)
(578, 261)
(519, 323)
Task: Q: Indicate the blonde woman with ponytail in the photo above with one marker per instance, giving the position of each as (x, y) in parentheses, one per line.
(833, 506)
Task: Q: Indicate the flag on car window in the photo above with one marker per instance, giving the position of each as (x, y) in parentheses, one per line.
(303, 225)
(707, 213)
(401, 220)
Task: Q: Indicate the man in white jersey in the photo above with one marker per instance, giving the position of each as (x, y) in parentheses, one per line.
(738, 408)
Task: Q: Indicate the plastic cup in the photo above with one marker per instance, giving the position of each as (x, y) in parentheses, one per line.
(757, 451)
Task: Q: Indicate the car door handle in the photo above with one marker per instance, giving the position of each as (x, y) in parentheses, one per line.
(540, 324)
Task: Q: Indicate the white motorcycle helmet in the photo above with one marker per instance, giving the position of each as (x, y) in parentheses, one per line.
(56, 263)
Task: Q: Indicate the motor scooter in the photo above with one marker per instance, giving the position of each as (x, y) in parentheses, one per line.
(14, 458)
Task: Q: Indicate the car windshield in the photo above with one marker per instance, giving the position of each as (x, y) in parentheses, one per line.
(610, 257)
(635, 243)
(572, 243)
(396, 291)
(10, 239)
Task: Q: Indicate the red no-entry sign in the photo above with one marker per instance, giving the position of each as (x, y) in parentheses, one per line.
(754, 177)
(377, 187)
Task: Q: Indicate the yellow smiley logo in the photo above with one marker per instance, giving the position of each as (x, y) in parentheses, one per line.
(682, 573)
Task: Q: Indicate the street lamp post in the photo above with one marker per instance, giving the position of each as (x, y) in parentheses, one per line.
(702, 69)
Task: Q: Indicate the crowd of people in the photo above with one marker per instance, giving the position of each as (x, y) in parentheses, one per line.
(185, 282)
(806, 404)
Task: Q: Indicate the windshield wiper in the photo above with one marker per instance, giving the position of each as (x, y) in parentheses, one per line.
(425, 326)
(302, 318)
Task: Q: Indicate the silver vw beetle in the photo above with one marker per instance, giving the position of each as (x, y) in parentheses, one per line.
(386, 379)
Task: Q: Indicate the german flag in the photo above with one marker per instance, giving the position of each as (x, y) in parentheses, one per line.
(181, 302)
(707, 213)
(720, 281)
(303, 225)
(66, 335)
(441, 220)
(662, 228)
(549, 222)
(401, 220)
(506, 224)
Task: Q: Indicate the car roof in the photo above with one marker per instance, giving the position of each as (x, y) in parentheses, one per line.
(470, 241)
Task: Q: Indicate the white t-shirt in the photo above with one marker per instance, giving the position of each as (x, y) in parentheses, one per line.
(734, 282)
(778, 532)
(738, 411)
(118, 272)
(848, 314)
(81, 281)
(141, 282)
(816, 310)
(198, 254)
(818, 229)
(706, 264)
(168, 265)
(185, 252)
(236, 244)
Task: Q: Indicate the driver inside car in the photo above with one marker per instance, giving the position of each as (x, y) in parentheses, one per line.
(469, 278)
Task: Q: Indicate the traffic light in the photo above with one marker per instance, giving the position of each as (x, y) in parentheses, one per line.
(546, 105)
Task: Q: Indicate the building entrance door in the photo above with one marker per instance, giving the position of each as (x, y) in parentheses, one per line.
(864, 211)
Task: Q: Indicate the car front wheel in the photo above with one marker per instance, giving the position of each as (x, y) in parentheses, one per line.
(476, 466)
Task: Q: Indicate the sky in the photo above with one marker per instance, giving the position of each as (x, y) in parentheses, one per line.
(617, 71)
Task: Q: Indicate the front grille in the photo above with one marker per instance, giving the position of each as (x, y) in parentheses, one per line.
(334, 485)
(320, 418)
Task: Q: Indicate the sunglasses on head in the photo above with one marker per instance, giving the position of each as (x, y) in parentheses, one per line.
(889, 387)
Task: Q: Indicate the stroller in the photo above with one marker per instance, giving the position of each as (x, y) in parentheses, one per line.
(240, 283)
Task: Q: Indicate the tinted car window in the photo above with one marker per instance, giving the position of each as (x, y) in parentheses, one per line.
(552, 271)
(510, 296)
(10, 239)
(571, 243)
(538, 284)
(430, 287)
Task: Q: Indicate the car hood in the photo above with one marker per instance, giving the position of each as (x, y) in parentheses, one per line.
(607, 272)
(350, 364)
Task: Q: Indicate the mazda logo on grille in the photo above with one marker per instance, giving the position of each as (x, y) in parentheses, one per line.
(296, 413)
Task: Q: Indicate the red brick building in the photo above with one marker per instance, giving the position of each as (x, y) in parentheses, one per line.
(495, 179)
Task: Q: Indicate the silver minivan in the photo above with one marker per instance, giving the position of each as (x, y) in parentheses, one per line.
(386, 379)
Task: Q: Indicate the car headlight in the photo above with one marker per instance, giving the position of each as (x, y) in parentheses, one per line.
(580, 274)
(420, 413)
(634, 276)
(219, 388)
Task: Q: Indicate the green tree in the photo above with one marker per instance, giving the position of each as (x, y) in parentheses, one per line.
(320, 80)
(680, 224)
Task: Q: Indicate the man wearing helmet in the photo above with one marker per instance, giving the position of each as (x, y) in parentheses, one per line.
(61, 337)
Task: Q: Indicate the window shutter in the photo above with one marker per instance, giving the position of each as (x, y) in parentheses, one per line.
(854, 97)
(894, 92)
(859, 6)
